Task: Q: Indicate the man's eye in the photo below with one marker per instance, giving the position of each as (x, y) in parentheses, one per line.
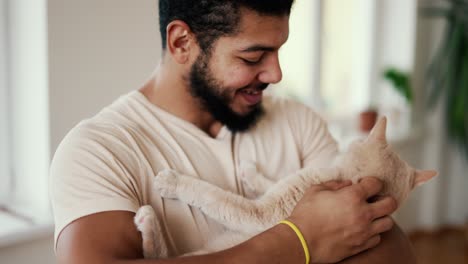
(251, 62)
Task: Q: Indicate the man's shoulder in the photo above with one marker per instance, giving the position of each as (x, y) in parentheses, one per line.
(114, 125)
(109, 119)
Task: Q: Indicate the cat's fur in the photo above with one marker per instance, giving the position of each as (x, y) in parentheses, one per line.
(369, 157)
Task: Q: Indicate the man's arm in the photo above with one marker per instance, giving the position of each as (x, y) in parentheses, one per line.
(111, 237)
(121, 243)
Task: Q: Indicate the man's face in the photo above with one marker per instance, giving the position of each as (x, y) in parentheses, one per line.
(230, 80)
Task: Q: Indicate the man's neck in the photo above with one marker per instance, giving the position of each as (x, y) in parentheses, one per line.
(170, 93)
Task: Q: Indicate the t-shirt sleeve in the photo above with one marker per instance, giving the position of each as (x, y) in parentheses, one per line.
(316, 145)
(90, 173)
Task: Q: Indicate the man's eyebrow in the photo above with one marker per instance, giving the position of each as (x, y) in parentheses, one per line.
(258, 48)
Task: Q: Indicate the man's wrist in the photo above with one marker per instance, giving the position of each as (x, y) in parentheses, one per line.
(312, 243)
(301, 238)
(289, 244)
(278, 244)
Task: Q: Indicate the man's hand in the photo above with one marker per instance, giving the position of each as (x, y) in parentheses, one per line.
(338, 221)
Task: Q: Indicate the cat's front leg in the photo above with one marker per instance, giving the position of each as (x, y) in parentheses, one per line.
(232, 210)
(153, 242)
(172, 184)
(166, 183)
(195, 192)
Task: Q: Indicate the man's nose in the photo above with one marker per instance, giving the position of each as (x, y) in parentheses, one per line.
(271, 73)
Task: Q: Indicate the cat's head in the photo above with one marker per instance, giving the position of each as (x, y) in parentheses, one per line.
(373, 156)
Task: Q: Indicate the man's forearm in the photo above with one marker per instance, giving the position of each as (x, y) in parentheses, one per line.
(276, 245)
(280, 245)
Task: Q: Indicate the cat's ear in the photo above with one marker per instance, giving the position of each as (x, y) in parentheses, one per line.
(378, 131)
(422, 176)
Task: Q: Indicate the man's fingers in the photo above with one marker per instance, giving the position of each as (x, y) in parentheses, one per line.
(381, 225)
(383, 207)
(336, 185)
(370, 186)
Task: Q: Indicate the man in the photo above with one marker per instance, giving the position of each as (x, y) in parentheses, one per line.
(203, 113)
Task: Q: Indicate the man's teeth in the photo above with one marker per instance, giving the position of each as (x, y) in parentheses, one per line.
(252, 92)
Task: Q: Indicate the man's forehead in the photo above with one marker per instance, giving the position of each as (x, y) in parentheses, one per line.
(261, 32)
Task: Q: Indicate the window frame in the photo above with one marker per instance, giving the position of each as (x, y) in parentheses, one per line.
(6, 178)
(25, 211)
(364, 50)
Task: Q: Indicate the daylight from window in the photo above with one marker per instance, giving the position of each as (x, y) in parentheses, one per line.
(4, 157)
(327, 60)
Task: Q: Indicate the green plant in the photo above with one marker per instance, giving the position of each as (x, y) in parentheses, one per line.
(447, 74)
(401, 82)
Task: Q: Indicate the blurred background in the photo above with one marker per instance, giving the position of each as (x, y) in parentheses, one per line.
(351, 60)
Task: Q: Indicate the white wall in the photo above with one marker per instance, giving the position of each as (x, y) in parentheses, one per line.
(37, 251)
(97, 50)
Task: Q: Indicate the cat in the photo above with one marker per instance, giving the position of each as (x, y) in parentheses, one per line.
(244, 218)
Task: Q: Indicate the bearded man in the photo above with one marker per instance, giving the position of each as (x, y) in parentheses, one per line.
(202, 113)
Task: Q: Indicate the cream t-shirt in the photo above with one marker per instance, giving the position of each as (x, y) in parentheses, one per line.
(108, 162)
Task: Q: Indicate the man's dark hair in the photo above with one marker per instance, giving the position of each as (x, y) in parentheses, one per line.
(211, 19)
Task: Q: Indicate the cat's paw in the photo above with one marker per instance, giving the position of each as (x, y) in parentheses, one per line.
(144, 219)
(165, 183)
(152, 243)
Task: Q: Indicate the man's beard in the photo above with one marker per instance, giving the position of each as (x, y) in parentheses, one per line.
(215, 99)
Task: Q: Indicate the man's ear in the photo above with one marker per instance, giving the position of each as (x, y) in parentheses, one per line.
(180, 40)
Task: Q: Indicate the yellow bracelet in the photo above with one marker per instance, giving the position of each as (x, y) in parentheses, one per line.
(300, 236)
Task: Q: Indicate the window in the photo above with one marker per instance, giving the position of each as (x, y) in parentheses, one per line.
(327, 60)
(299, 56)
(347, 55)
(336, 55)
(5, 177)
(24, 134)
